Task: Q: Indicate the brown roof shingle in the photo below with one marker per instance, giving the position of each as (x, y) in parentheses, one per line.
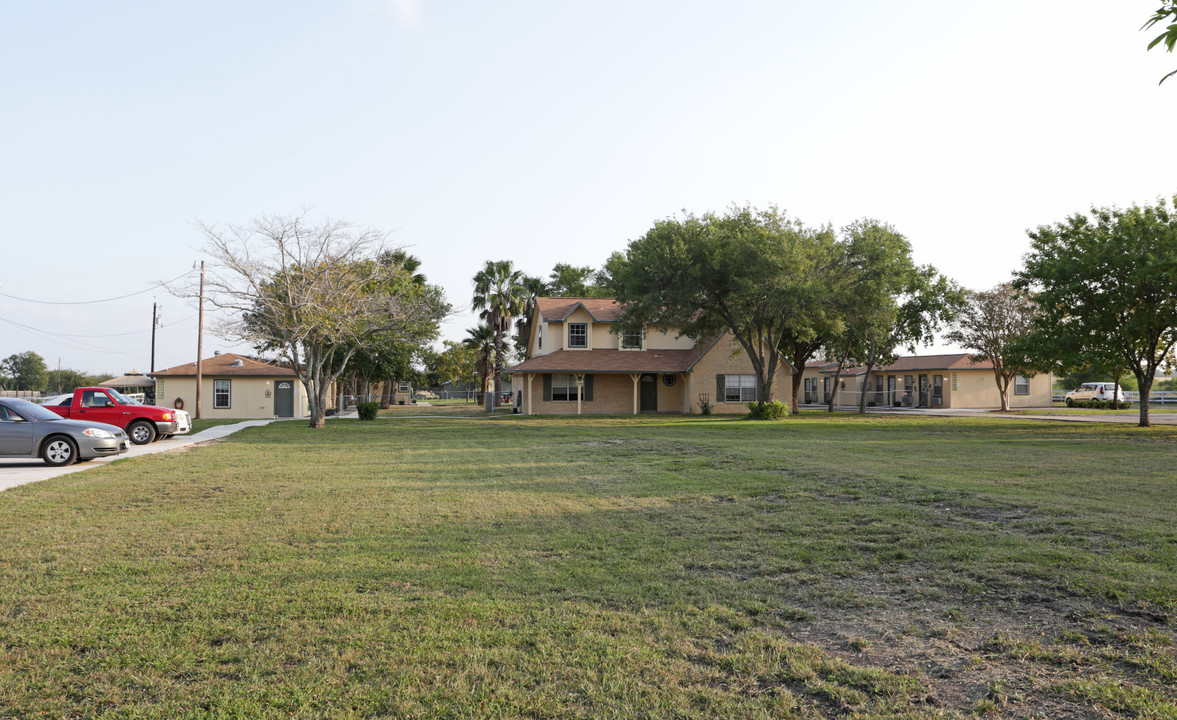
(614, 361)
(224, 365)
(917, 363)
(557, 309)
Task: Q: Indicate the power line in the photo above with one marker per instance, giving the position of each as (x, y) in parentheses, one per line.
(111, 335)
(92, 302)
(82, 346)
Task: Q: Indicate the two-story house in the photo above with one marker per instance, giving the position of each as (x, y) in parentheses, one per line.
(576, 364)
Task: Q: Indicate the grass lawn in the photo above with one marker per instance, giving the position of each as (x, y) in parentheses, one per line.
(517, 567)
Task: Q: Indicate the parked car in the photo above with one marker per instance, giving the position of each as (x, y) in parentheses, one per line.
(143, 423)
(31, 430)
(1094, 391)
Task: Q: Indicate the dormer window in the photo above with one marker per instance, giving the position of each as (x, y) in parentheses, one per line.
(631, 340)
(578, 335)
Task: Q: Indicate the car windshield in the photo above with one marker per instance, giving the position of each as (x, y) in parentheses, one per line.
(123, 399)
(32, 411)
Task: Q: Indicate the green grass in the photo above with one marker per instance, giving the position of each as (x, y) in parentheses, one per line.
(455, 567)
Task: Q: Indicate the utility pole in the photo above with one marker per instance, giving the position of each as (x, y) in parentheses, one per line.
(154, 325)
(200, 341)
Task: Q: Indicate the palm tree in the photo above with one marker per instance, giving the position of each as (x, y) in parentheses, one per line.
(500, 295)
(533, 287)
(481, 340)
(409, 263)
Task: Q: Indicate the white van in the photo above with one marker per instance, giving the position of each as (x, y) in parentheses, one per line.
(1094, 391)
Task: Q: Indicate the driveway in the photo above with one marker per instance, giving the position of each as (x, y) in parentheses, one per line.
(20, 471)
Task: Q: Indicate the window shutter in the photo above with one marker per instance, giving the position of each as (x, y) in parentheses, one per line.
(547, 387)
(588, 388)
(719, 388)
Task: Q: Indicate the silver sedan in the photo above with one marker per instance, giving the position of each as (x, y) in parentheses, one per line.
(29, 430)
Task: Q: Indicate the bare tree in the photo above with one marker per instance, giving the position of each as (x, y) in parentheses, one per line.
(996, 323)
(315, 294)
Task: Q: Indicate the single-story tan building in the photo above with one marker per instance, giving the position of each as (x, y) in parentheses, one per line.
(575, 364)
(927, 381)
(233, 386)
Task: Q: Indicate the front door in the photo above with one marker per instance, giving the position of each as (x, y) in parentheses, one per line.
(284, 399)
(892, 398)
(649, 393)
(923, 390)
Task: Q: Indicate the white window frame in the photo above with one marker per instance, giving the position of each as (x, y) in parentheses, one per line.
(566, 384)
(228, 393)
(404, 387)
(641, 340)
(743, 385)
(1021, 385)
(573, 345)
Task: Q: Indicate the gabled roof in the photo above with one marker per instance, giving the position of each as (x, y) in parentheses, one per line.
(229, 365)
(557, 309)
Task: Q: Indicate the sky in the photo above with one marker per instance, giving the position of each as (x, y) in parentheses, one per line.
(541, 132)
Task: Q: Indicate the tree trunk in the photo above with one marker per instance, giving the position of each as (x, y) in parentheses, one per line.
(865, 388)
(1145, 384)
(834, 387)
(1002, 389)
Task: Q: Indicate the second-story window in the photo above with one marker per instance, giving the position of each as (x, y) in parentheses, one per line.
(577, 335)
(631, 340)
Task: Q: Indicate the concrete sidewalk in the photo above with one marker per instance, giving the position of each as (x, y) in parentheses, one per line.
(20, 471)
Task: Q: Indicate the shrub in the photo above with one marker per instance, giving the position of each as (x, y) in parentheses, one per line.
(705, 406)
(775, 410)
(368, 410)
(1101, 404)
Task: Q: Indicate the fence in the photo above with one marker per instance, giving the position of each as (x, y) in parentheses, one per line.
(425, 398)
(1156, 397)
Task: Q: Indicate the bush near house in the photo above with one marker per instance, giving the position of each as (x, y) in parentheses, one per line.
(775, 410)
(1102, 404)
(368, 410)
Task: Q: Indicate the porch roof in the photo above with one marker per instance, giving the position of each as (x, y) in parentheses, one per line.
(613, 361)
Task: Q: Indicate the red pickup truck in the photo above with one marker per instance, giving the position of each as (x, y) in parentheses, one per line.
(142, 423)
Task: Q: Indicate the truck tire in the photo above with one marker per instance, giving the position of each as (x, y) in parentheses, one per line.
(59, 451)
(141, 432)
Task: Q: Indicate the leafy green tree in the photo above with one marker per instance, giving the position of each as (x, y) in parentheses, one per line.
(315, 294)
(1167, 13)
(458, 363)
(1106, 287)
(387, 357)
(714, 274)
(888, 301)
(481, 340)
(816, 313)
(25, 371)
(533, 288)
(501, 296)
(996, 325)
(575, 281)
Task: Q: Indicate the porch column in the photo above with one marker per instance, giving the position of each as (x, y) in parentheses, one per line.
(636, 377)
(579, 390)
(530, 377)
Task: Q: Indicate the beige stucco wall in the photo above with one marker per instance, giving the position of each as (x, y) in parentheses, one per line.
(658, 337)
(978, 389)
(247, 396)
